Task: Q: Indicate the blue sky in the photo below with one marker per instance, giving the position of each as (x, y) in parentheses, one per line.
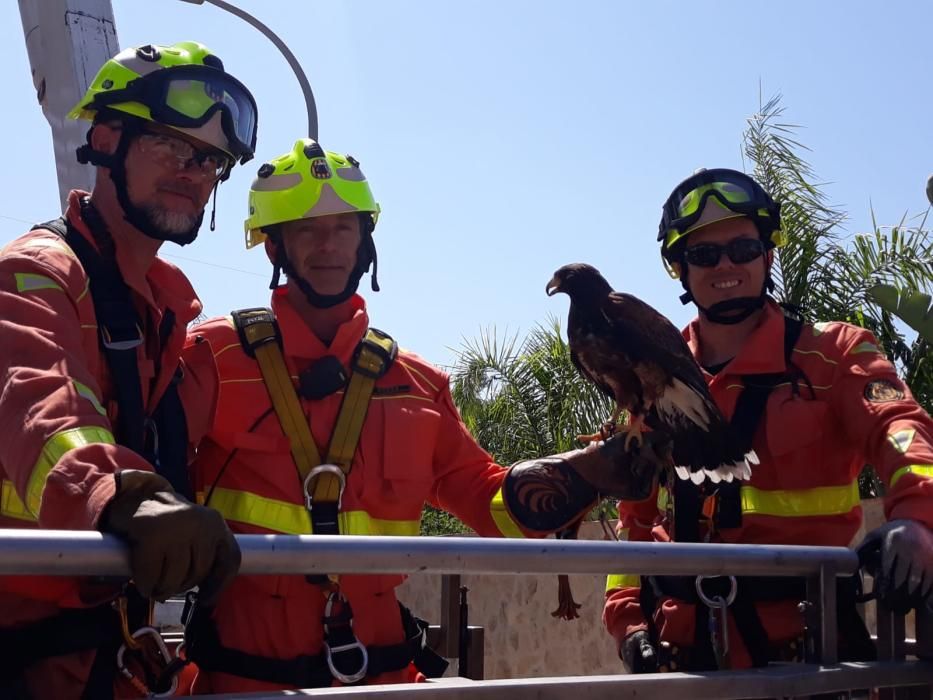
(504, 139)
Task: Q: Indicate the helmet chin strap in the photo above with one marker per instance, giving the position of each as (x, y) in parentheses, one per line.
(116, 164)
(730, 311)
(365, 256)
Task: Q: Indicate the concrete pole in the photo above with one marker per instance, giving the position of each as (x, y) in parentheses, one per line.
(67, 42)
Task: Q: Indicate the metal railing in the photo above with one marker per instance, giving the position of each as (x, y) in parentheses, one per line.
(44, 552)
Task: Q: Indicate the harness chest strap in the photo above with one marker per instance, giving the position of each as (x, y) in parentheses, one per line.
(322, 482)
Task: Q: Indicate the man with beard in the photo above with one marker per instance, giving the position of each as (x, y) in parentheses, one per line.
(325, 426)
(93, 326)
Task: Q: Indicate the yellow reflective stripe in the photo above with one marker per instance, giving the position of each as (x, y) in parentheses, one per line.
(52, 451)
(11, 505)
(31, 282)
(622, 581)
(823, 500)
(87, 393)
(502, 517)
(294, 519)
(664, 497)
(411, 368)
(925, 470)
(816, 352)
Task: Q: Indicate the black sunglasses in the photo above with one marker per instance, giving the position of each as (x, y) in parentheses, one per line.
(739, 250)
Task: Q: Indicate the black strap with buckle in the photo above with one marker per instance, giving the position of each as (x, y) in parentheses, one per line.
(316, 671)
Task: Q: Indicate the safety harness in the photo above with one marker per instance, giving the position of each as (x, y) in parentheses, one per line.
(162, 438)
(720, 509)
(344, 657)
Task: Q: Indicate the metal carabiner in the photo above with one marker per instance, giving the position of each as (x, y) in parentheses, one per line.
(135, 646)
(714, 602)
(329, 651)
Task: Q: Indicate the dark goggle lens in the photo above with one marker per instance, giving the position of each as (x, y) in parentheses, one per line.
(195, 97)
(728, 192)
(740, 252)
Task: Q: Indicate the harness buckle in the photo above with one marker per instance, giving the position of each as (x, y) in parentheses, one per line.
(123, 340)
(383, 353)
(316, 472)
(339, 627)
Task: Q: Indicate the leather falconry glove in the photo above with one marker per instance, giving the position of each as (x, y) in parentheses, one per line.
(551, 493)
(638, 653)
(174, 544)
(899, 556)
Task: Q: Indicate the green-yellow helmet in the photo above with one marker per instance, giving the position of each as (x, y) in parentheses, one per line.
(182, 86)
(305, 183)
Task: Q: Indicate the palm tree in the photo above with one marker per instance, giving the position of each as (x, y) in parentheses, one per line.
(521, 400)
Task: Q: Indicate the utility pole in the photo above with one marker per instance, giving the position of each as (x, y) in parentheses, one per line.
(67, 42)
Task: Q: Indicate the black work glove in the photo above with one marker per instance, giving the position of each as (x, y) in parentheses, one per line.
(639, 654)
(899, 556)
(174, 544)
(626, 474)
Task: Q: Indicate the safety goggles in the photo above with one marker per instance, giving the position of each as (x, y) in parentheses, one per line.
(188, 97)
(739, 250)
(733, 190)
(177, 154)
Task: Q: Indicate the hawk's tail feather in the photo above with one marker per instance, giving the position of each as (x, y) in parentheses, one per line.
(716, 452)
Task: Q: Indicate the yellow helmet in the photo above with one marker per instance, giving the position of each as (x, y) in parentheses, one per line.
(182, 86)
(305, 183)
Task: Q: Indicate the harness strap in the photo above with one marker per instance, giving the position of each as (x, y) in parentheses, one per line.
(689, 506)
(323, 482)
(120, 334)
(71, 631)
(313, 671)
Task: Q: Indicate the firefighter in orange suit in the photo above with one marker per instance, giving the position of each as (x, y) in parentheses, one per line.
(816, 401)
(283, 455)
(93, 328)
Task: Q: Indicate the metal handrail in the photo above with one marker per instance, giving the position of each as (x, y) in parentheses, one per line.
(71, 553)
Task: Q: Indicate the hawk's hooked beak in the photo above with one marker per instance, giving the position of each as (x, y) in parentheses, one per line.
(553, 287)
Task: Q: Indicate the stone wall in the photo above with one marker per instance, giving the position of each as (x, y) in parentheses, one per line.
(522, 639)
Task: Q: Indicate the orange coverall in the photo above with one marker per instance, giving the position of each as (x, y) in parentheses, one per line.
(811, 448)
(57, 462)
(413, 449)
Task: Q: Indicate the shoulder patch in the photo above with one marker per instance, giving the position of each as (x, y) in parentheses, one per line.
(866, 347)
(882, 391)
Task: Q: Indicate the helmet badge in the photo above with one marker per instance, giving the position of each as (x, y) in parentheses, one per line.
(320, 170)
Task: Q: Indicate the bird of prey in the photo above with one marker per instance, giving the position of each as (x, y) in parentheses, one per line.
(639, 359)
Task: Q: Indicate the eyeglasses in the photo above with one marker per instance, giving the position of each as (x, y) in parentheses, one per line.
(171, 152)
(739, 250)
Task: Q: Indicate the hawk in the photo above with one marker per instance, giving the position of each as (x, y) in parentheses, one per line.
(639, 359)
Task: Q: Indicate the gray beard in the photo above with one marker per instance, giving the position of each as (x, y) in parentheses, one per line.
(170, 225)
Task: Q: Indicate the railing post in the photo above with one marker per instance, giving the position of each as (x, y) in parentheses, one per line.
(820, 615)
(443, 638)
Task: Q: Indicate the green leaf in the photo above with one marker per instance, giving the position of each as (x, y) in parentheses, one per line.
(913, 308)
